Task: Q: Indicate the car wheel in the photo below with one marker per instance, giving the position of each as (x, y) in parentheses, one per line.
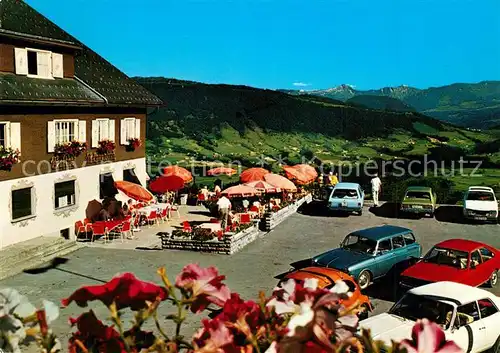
(360, 212)
(363, 314)
(364, 279)
(493, 281)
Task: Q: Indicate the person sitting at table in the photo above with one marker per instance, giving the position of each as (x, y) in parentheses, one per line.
(245, 204)
(204, 191)
(103, 215)
(217, 190)
(125, 210)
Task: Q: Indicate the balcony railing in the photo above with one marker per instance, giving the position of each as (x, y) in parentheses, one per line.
(96, 158)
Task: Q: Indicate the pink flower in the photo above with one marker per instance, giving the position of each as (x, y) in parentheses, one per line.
(214, 337)
(428, 337)
(205, 286)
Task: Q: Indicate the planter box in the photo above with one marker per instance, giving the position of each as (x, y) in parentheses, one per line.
(227, 246)
(272, 219)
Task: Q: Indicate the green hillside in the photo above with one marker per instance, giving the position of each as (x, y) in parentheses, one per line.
(222, 122)
(380, 103)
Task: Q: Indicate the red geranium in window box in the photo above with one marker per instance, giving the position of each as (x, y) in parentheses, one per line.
(106, 147)
(133, 144)
(71, 149)
(8, 157)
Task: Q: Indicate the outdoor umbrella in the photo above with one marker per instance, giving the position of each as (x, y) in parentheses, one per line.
(134, 191)
(93, 209)
(240, 191)
(221, 171)
(280, 182)
(163, 184)
(263, 186)
(253, 174)
(178, 171)
(307, 170)
(297, 176)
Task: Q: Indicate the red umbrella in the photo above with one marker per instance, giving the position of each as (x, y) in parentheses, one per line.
(307, 170)
(163, 184)
(263, 186)
(178, 171)
(253, 174)
(221, 171)
(280, 182)
(297, 176)
(134, 191)
(240, 191)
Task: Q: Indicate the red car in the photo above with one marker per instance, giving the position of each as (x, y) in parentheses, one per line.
(456, 260)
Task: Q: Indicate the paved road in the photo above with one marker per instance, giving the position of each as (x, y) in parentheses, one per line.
(249, 271)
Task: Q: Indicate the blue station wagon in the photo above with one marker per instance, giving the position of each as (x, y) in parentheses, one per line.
(371, 253)
(348, 197)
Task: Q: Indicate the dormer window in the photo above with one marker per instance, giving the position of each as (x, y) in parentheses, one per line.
(38, 63)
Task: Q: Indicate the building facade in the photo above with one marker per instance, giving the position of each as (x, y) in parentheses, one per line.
(70, 125)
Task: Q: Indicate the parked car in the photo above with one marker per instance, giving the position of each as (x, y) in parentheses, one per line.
(371, 253)
(326, 279)
(456, 260)
(480, 204)
(419, 200)
(469, 316)
(348, 197)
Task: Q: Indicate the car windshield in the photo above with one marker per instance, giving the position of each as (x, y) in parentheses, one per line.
(414, 307)
(417, 195)
(345, 193)
(448, 257)
(357, 243)
(480, 196)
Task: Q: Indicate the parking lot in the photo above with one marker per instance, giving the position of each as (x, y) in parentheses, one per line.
(253, 269)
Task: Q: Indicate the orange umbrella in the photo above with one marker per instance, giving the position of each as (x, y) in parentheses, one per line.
(263, 186)
(163, 184)
(178, 171)
(221, 171)
(281, 182)
(253, 174)
(307, 170)
(297, 176)
(134, 191)
(240, 191)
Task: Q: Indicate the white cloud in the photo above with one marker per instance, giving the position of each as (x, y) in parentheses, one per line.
(301, 84)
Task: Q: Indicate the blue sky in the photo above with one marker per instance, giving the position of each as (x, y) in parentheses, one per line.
(276, 43)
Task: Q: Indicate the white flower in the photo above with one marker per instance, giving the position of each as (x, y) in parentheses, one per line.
(311, 283)
(340, 288)
(272, 348)
(304, 316)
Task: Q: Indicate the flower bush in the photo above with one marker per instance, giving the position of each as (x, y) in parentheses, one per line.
(71, 149)
(8, 157)
(298, 317)
(106, 147)
(133, 144)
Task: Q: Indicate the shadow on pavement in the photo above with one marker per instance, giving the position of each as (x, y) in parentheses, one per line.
(54, 265)
(450, 214)
(319, 209)
(387, 210)
(201, 213)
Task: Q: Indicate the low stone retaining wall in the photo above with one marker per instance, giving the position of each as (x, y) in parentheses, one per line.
(272, 219)
(228, 246)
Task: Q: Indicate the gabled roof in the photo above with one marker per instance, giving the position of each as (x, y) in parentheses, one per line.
(100, 78)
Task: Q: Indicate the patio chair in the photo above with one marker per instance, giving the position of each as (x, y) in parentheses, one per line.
(186, 226)
(126, 230)
(79, 228)
(200, 199)
(164, 215)
(245, 218)
(152, 218)
(99, 229)
(174, 208)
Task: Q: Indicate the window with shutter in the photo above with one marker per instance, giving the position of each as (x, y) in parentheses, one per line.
(65, 131)
(21, 59)
(102, 129)
(129, 129)
(64, 194)
(57, 65)
(3, 135)
(39, 63)
(15, 136)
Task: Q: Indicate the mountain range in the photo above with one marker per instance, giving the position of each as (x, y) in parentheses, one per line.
(474, 105)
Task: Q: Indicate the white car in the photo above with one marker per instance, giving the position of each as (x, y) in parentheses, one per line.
(480, 204)
(468, 315)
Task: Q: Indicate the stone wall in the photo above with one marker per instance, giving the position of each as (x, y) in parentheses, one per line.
(272, 219)
(228, 245)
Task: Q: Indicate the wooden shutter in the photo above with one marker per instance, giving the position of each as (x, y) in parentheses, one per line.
(57, 65)
(137, 128)
(15, 136)
(123, 132)
(44, 63)
(21, 57)
(95, 133)
(111, 127)
(51, 136)
(82, 131)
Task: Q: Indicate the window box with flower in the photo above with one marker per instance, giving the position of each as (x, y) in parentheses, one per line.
(106, 147)
(71, 149)
(8, 157)
(133, 144)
